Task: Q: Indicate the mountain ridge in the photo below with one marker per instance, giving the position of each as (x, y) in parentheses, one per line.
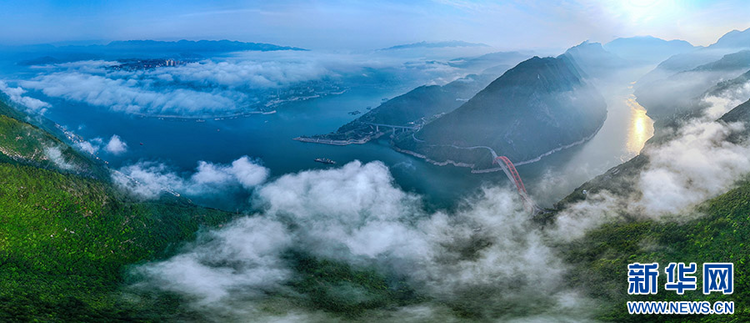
(539, 93)
(438, 44)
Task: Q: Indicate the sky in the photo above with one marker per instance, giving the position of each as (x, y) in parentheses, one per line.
(363, 25)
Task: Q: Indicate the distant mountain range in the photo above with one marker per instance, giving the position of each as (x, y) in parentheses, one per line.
(49, 54)
(539, 106)
(674, 88)
(733, 39)
(442, 44)
(489, 60)
(647, 49)
(731, 42)
(594, 60)
(201, 46)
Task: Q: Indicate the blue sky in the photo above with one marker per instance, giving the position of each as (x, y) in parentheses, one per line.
(360, 24)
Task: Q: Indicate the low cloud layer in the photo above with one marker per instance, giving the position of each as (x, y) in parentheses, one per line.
(356, 215)
(91, 147)
(114, 146)
(129, 95)
(207, 87)
(16, 94)
(243, 74)
(148, 180)
(698, 165)
(222, 86)
(55, 155)
(244, 257)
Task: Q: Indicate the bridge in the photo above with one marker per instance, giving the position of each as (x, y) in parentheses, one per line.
(514, 177)
(394, 127)
(505, 164)
(510, 170)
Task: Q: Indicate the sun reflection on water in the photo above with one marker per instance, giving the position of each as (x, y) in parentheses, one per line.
(640, 128)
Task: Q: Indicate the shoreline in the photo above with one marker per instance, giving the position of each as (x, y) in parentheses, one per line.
(497, 169)
(449, 161)
(333, 142)
(203, 118)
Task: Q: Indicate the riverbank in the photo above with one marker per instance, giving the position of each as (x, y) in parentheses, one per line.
(496, 169)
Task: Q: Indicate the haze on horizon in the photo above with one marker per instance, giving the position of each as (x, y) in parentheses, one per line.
(363, 25)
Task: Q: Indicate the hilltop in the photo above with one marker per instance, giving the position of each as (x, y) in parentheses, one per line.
(541, 105)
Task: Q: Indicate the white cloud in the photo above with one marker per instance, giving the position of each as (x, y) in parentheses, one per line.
(150, 179)
(91, 146)
(249, 74)
(32, 105)
(116, 146)
(355, 214)
(88, 147)
(55, 155)
(147, 180)
(244, 257)
(247, 173)
(206, 87)
(220, 86)
(128, 95)
(721, 103)
(697, 165)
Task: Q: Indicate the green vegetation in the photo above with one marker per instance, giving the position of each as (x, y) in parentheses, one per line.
(23, 143)
(600, 259)
(337, 287)
(65, 241)
(66, 237)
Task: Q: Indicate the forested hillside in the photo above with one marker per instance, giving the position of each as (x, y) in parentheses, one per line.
(67, 237)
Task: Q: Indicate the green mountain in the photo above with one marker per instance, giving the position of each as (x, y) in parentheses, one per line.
(541, 105)
(415, 107)
(599, 260)
(67, 235)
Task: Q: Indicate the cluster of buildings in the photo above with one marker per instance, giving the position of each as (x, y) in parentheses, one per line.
(142, 64)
